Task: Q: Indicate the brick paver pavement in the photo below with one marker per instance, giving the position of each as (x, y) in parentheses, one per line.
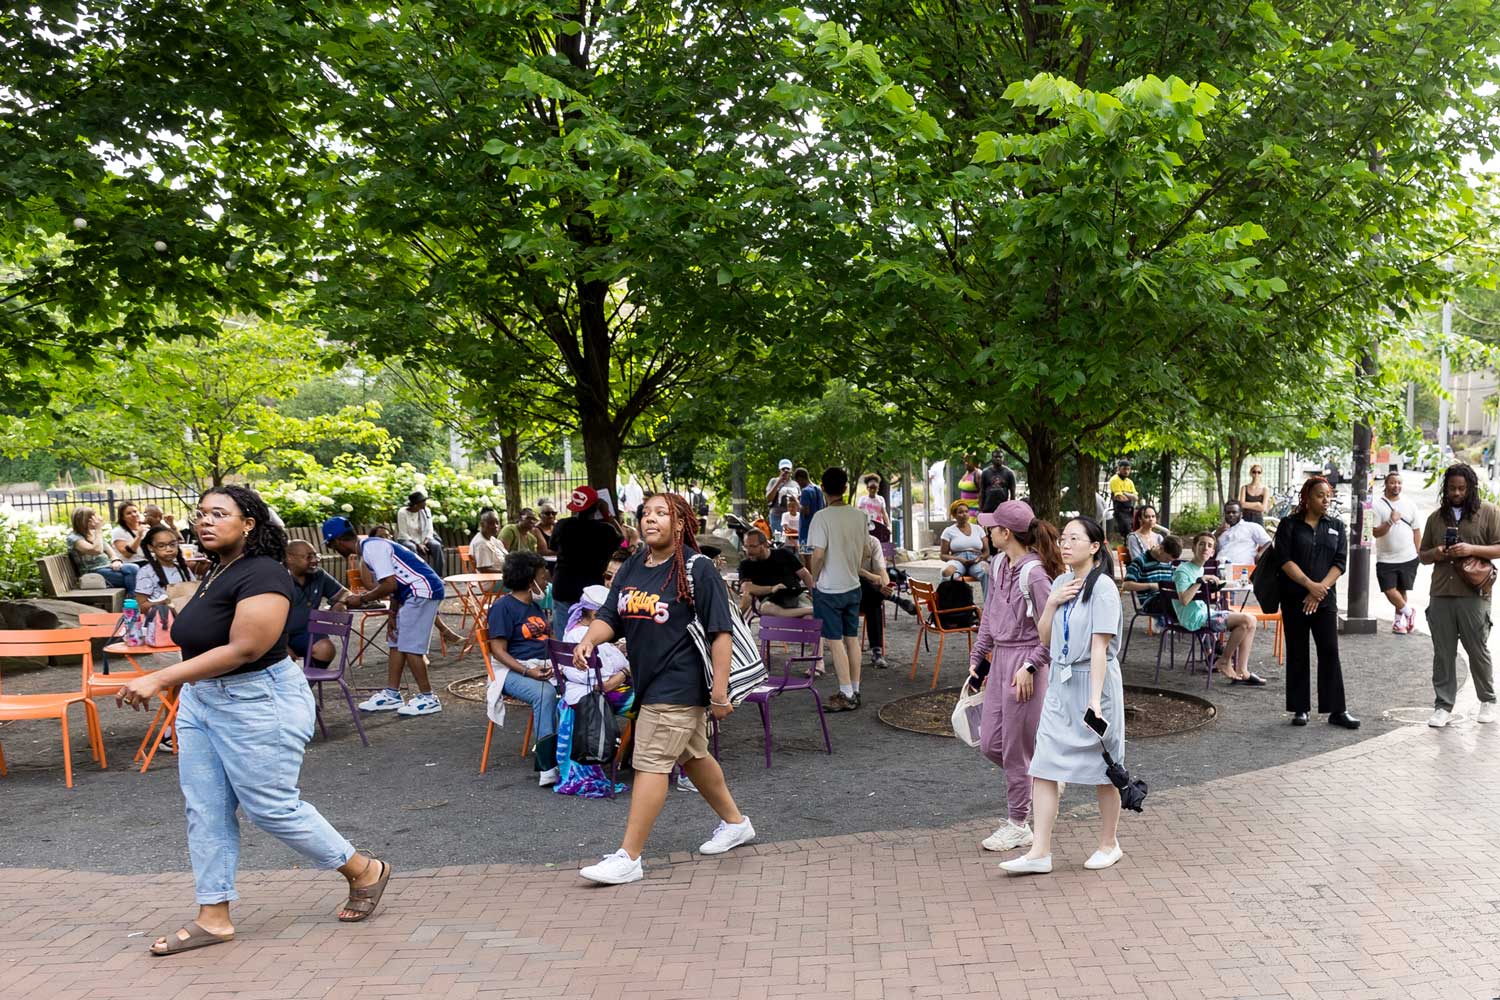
(1368, 872)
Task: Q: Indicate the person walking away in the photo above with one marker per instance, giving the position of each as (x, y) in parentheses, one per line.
(1080, 625)
(1313, 551)
(1009, 660)
(1122, 491)
(837, 543)
(1193, 613)
(244, 716)
(1397, 539)
(583, 544)
(1464, 527)
(518, 634)
(312, 587)
(416, 593)
(997, 483)
(1253, 499)
(650, 605)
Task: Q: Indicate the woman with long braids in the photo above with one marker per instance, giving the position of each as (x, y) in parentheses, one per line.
(651, 601)
(1313, 552)
(1081, 625)
(244, 716)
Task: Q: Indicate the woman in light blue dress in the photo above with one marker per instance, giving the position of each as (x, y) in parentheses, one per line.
(1081, 627)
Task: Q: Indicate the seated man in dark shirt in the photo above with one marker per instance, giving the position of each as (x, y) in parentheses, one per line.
(311, 587)
(776, 576)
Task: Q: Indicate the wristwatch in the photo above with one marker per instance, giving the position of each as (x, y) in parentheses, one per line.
(1030, 669)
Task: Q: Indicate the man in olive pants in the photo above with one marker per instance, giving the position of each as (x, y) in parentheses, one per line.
(1462, 527)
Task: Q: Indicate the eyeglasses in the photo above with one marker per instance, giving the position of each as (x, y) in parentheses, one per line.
(213, 516)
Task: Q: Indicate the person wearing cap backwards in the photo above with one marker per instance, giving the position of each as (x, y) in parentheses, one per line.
(417, 594)
(583, 544)
(415, 531)
(1009, 659)
(777, 491)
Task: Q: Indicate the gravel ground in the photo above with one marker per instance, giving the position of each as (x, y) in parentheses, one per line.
(416, 795)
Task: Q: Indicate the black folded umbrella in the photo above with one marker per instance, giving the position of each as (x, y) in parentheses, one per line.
(1132, 790)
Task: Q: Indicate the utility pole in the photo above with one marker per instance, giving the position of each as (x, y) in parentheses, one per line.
(737, 502)
(1443, 375)
(1358, 620)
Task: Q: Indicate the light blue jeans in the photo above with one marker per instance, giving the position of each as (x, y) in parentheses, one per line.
(542, 697)
(240, 741)
(977, 569)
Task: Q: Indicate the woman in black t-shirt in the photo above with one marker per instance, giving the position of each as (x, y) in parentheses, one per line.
(244, 716)
(651, 602)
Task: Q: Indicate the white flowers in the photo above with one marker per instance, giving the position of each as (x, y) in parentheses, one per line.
(347, 508)
(80, 223)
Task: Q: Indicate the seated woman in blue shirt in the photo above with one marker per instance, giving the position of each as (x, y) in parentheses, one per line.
(518, 632)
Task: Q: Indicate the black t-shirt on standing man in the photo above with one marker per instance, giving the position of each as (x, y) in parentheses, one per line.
(583, 546)
(204, 623)
(644, 608)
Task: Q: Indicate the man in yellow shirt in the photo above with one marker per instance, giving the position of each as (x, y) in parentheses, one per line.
(1122, 489)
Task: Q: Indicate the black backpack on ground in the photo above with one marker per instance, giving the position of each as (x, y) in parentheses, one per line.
(955, 593)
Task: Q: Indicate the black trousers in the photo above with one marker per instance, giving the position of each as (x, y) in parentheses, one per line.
(870, 598)
(1323, 625)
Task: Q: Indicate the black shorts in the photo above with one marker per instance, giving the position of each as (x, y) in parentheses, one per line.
(1397, 576)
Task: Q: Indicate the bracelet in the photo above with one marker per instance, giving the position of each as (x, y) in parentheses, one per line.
(720, 704)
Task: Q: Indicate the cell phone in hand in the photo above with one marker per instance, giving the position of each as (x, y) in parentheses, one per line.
(1094, 722)
(1450, 537)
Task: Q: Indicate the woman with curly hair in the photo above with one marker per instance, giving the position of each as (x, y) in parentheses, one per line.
(654, 597)
(244, 716)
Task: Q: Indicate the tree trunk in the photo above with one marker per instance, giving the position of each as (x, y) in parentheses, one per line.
(1219, 472)
(1088, 482)
(1043, 477)
(1239, 450)
(601, 451)
(1164, 509)
(510, 473)
(739, 503)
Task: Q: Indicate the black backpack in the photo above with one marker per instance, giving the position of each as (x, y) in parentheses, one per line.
(955, 593)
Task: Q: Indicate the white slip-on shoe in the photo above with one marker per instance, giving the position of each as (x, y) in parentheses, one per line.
(728, 836)
(1009, 837)
(547, 778)
(614, 869)
(381, 701)
(1103, 859)
(1486, 713)
(1439, 718)
(1027, 866)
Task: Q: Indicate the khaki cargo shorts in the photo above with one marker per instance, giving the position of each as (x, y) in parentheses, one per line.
(669, 734)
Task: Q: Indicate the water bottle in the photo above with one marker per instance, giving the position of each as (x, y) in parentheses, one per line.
(132, 624)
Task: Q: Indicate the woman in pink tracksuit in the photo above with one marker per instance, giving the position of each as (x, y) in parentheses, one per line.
(1026, 548)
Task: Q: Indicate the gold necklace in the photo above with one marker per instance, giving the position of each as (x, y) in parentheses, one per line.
(213, 574)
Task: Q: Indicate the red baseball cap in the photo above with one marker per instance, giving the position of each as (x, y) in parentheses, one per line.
(582, 499)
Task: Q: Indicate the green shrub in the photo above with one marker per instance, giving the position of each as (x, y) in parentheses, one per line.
(22, 543)
(369, 493)
(1192, 519)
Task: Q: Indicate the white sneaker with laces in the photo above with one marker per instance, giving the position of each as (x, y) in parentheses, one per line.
(1027, 866)
(1439, 718)
(1009, 837)
(422, 704)
(1486, 713)
(728, 836)
(614, 869)
(548, 778)
(685, 784)
(381, 701)
(1103, 859)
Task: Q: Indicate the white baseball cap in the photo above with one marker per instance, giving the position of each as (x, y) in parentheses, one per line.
(785, 463)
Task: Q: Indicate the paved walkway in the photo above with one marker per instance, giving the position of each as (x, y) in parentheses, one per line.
(1366, 872)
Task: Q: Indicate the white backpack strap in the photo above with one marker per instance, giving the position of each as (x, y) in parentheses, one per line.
(1026, 568)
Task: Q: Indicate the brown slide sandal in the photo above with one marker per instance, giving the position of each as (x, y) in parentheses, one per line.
(197, 938)
(364, 899)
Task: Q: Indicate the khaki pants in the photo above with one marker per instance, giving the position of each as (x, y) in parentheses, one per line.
(1451, 620)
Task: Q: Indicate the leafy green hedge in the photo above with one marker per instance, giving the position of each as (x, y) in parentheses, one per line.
(368, 492)
(1192, 519)
(22, 543)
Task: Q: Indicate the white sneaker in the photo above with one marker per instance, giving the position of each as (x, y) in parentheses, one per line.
(685, 784)
(1398, 624)
(728, 836)
(1027, 866)
(548, 778)
(422, 704)
(381, 701)
(614, 869)
(1486, 713)
(1103, 859)
(1009, 837)
(1439, 718)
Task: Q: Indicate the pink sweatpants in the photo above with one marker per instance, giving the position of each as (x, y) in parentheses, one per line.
(1007, 728)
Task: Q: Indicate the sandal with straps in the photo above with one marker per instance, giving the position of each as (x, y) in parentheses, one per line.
(363, 899)
(197, 938)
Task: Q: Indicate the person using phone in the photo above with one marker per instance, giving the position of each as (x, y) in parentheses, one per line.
(1080, 625)
(518, 632)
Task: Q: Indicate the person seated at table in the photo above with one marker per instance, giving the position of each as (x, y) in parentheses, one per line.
(523, 536)
(776, 576)
(155, 517)
(165, 577)
(1240, 542)
(485, 548)
(1193, 613)
(789, 521)
(1144, 535)
(963, 547)
(518, 633)
(1149, 571)
(312, 587)
(91, 553)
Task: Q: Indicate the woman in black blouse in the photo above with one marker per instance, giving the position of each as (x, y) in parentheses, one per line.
(244, 716)
(1312, 549)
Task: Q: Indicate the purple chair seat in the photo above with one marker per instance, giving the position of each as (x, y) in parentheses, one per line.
(803, 632)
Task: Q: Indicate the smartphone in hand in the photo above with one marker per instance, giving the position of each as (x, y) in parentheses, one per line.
(1094, 722)
(1450, 538)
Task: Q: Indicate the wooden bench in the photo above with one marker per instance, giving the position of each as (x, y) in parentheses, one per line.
(60, 580)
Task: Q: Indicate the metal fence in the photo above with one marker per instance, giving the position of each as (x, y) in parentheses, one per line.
(554, 489)
(57, 506)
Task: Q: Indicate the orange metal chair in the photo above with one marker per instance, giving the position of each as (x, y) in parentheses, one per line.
(53, 705)
(101, 625)
(1252, 607)
(925, 596)
(482, 638)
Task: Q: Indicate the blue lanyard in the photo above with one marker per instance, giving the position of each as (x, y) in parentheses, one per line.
(1067, 613)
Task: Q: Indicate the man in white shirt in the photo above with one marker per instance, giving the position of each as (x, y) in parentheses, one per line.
(1398, 534)
(837, 539)
(414, 530)
(778, 490)
(485, 548)
(1240, 542)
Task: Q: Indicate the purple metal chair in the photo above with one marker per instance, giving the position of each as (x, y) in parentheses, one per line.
(804, 632)
(1200, 642)
(334, 625)
(561, 655)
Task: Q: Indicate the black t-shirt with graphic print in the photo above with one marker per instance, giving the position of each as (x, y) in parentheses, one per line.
(645, 610)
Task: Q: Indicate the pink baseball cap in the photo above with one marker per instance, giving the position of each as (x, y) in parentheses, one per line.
(1016, 515)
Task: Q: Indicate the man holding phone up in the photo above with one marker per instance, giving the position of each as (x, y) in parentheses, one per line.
(1463, 527)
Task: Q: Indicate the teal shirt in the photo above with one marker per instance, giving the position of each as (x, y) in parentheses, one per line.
(1194, 613)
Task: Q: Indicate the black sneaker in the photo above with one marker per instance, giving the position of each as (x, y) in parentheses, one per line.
(877, 659)
(838, 703)
(854, 702)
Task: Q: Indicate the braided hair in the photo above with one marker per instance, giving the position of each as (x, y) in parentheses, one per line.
(265, 538)
(1471, 494)
(1312, 483)
(681, 522)
(151, 560)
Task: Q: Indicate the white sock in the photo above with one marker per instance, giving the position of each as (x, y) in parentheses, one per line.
(855, 685)
(847, 690)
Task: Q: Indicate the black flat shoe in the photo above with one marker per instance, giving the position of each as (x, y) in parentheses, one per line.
(1343, 719)
(1254, 680)
(1300, 719)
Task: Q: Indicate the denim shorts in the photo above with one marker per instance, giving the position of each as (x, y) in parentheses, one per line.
(839, 613)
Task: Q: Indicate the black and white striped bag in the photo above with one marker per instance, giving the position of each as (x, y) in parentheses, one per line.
(747, 671)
